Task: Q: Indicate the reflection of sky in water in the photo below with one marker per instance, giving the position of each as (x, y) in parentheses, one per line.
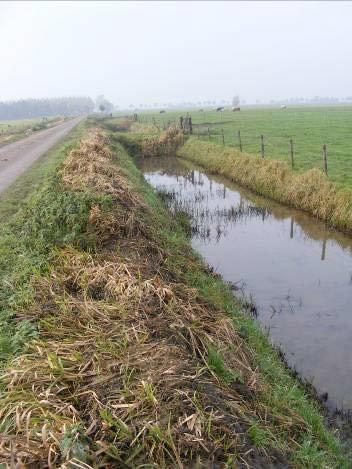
(300, 284)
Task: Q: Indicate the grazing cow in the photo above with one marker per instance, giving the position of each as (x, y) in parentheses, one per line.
(235, 109)
(200, 110)
(162, 111)
(283, 106)
(219, 109)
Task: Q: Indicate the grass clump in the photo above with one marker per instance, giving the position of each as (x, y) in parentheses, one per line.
(145, 141)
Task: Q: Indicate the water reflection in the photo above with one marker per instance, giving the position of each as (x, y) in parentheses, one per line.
(293, 272)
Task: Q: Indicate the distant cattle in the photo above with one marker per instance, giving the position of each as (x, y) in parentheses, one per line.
(235, 109)
(220, 109)
(200, 110)
(283, 106)
(162, 111)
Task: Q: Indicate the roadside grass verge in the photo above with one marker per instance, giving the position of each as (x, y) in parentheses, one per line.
(13, 197)
(33, 220)
(310, 191)
(139, 356)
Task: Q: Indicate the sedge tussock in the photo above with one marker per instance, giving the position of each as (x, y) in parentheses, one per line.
(164, 143)
(310, 191)
(120, 374)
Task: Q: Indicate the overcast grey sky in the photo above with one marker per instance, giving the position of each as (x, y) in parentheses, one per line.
(146, 52)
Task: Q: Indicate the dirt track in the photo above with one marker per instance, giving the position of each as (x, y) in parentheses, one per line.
(17, 157)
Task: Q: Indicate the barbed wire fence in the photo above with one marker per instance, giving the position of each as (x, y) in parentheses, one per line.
(293, 150)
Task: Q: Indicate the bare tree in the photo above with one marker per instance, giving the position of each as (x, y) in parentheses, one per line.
(235, 101)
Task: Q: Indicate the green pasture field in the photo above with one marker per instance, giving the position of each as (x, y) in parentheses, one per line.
(14, 126)
(11, 130)
(309, 127)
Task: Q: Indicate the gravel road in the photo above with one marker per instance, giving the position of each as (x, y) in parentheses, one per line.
(17, 157)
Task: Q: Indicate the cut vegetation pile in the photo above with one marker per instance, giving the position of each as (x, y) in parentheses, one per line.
(131, 366)
(310, 191)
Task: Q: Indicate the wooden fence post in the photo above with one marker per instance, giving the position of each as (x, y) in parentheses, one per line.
(323, 249)
(291, 228)
(262, 145)
(239, 139)
(223, 138)
(209, 134)
(325, 159)
(181, 122)
(190, 125)
(291, 150)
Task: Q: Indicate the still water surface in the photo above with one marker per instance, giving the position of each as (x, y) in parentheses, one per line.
(297, 272)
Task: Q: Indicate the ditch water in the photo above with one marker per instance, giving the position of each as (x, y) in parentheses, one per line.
(296, 272)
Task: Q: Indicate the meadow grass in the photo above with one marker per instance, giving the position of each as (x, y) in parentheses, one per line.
(310, 128)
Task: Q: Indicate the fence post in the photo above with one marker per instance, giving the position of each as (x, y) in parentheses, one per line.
(291, 150)
(223, 138)
(190, 125)
(239, 139)
(262, 145)
(181, 122)
(209, 134)
(198, 132)
(325, 159)
(323, 249)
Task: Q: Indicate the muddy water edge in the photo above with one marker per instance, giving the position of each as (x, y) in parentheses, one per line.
(290, 271)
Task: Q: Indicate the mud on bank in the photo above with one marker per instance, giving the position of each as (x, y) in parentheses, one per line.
(140, 356)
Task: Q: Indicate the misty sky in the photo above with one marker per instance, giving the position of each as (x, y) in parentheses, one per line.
(148, 52)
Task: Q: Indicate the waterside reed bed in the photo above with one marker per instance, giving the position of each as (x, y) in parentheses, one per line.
(310, 191)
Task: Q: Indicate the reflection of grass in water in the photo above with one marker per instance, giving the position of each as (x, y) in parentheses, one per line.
(201, 218)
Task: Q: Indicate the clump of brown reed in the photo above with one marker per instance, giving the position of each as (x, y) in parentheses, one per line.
(310, 191)
(130, 368)
(165, 143)
(144, 129)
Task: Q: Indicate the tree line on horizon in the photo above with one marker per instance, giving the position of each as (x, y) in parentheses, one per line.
(45, 107)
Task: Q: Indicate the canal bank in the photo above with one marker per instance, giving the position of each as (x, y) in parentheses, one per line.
(292, 272)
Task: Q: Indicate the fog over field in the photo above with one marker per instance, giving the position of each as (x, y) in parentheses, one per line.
(161, 52)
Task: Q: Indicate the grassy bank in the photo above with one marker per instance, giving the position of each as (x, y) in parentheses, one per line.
(310, 191)
(309, 126)
(136, 355)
